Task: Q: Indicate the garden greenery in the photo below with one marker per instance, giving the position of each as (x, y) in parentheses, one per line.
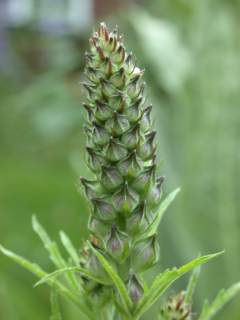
(105, 279)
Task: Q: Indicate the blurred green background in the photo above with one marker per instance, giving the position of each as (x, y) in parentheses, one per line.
(190, 50)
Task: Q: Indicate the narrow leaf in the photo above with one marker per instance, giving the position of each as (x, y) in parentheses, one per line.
(40, 273)
(164, 280)
(67, 243)
(84, 272)
(55, 309)
(192, 285)
(117, 281)
(223, 297)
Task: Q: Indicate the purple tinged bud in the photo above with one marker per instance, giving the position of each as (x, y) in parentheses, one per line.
(97, 227)
(102, 112)
(145, 180)
(117, 244)
(131, 138)
(95, 160)
(138, 221)
(100, 135)
(125, 200)
(115, 151)
(145, 254)
(147, 149)
(118, 124)
(111, 178)
(155, 193)
(91, 187)
(131, 166)
(146, 122)
(103, 209)
(107, 88)
(133, 112)
(135, 288)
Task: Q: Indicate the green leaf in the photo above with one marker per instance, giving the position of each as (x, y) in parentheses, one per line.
(50, 246)
(40, 273)
(84, 272)
(165, 279)
(192, 285)
(152, 229)
(117, 281)
(55, 309)
(223, 297)
(67, 243)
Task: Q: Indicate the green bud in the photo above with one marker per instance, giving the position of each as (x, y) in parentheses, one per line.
(91, 188)
(125, 200)
(118, 124)
(115, 151)
(119, 56)
(89, 110)
(146, 122)
(92, 74)
(111, 178)
(135, 288)
(95, 160)
(133, 112)
(143, 182)
(100, 135)
(117, 244)
(97, 227)
(145, 254)
(155, 193)
(135, 87)
(107, 88)
(147, 149)
(138, 221)
(103, 209)
(131, 166)
(131, 138)
(93, 265)
(107, 67)
(118, 79)
(130, 63)
(102, 112)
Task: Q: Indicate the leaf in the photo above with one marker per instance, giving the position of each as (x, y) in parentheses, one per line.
(152, 229)
(165, 279)
(192, 285)
(223, 297)
(50, 246)
(55, 309)
(67, 243)
(117, 281)
(84, 272)
(40, 273)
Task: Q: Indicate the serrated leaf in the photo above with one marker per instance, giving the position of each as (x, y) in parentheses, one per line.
(192, 285)
(152, 229)
(40, 273)
(164, 280)
(82, 271)
(67, 243)
(117, 281)
(223, 297)
(55, 309)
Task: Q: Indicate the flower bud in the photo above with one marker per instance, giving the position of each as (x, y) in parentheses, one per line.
(130, 63)
(100, 135)
(145, 254)
(106, 67)
(91, 187)
(135, 288)
(131, 138)
(119, 56)
(97, 227)
(133, 112)
(143, 182)
(103, 209)
(138, 222)
(90, 90)
(95, 160)
(92, 74)
(115, 151)
(125, 200)
(155, 193)
(102, 112)
(131, 166)
(118, 79)
(117, 125)
(107, 88)
(148, 147)
(117, 244)
(89, 111)
(146, 122)
(111, 178)
(93, 265)
(176, 308)
(118, 102)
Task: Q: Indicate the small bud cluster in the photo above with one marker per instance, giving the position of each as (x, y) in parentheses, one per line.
(176, 308)
(121, 151)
